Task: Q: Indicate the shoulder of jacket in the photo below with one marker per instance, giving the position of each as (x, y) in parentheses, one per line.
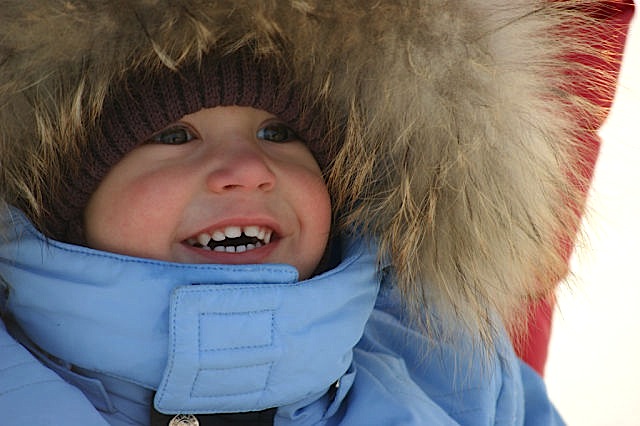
(32, 394)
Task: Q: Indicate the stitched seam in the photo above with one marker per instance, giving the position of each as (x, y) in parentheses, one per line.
(270, 364)
(466, 411)
(29, 228)
(28, 362)
(9, 345)
(268, 379)
(143, 261)
(458, 392)
(171, 360)
(265, 345)
(28, 385)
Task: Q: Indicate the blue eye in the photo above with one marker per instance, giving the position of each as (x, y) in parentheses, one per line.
(176, 135)
(277, 132)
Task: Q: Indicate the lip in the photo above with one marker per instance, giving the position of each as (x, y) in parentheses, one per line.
(257, 255)
(192, 254)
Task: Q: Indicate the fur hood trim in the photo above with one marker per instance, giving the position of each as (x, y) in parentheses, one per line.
(460, 130)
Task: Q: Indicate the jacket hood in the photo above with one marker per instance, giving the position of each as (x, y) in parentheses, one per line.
(459, 120)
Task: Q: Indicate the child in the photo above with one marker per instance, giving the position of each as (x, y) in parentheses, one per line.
(170, 255)
(234, 200)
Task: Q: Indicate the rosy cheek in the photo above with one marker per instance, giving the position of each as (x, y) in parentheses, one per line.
(132, 216)
(151, 203)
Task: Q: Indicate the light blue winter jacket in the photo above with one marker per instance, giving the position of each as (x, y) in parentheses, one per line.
(94, 338)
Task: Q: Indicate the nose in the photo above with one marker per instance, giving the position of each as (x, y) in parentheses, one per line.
(240, 164)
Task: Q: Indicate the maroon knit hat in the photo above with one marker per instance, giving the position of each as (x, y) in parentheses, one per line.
(145, 104)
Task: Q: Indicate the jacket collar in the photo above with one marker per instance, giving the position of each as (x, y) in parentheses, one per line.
(207, 338)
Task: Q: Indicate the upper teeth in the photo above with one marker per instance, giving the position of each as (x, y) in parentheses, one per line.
(262, 234)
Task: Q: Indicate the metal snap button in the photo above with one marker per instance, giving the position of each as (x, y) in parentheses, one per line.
(184, 420)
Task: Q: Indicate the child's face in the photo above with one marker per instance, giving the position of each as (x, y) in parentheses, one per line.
(215, 174)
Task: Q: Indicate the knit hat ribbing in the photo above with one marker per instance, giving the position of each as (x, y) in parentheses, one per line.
(146, 104)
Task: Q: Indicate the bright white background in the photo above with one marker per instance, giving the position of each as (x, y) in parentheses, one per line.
(593, 372)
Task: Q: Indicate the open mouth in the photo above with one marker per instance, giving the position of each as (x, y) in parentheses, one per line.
(233, 239)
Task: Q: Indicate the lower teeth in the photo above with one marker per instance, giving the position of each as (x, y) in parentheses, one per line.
(235, 249)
